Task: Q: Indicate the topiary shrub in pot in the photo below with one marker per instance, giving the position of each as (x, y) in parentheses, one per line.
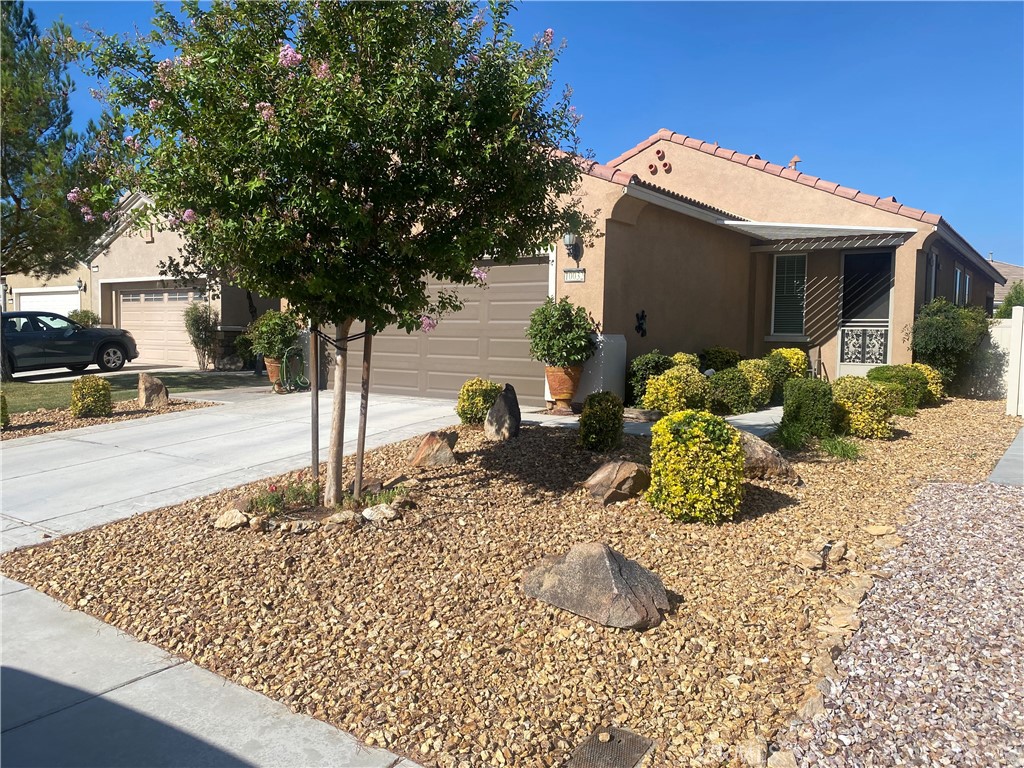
(559, 334)
(677, 389)
(729, 392)
(863, 408)
(696, 467)
(641, 370)
(475, 399)
(272, 334)
(808, 408)
(913, 381)
(90, 396)
(601, 422)
(758, 376)
(719, 358)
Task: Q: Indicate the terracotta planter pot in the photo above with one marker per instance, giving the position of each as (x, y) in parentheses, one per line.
(563, 383)
(273, 371)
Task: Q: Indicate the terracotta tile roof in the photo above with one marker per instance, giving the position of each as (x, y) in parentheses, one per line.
(889, 204)
(608, 173)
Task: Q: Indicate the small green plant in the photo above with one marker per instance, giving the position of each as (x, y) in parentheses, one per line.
(475, 399)
(1013, 298)
(791, 435)
(201, 321)
(677, 389)
(758, 376)
(935, 389)
(719, 358)
(559, 334)
(840, 447)
(808, 408)
(90, 396)
(696, 467)
(273, 333)
(686, 358)
(641, 370)
(601, 422)
(84, 317)
(303, 493)
(863, 408)
(913, 381)
(5, 417)
(270, 502)
(729, 392)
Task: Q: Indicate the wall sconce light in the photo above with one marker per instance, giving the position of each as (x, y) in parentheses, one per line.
(573, 246)
(80, 284)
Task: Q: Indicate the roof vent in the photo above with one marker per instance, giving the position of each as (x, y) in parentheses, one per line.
(792, 163)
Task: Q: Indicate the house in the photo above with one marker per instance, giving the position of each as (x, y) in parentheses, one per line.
(1014, 273)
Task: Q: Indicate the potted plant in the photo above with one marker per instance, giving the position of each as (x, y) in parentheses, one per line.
(560, 337)
(272, 334)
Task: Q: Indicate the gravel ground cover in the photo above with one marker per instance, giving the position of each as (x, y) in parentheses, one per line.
(415, 635)
(46, 420)
(936, 675)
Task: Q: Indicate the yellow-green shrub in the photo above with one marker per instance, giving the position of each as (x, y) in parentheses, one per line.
(864, 409)
(759, 379)
(696, 467)
(676, 389)
(90, 396)
(475, 399)
(5, 418)
(601, 421)
(686, 358)
(797, 360)
(935, 389)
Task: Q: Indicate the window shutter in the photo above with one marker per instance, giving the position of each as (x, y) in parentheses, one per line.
(790, 284)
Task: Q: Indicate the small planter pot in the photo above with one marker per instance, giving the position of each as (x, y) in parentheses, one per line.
(563, 383)
(273, 367)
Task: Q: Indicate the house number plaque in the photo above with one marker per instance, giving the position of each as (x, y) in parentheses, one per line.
(574, 275)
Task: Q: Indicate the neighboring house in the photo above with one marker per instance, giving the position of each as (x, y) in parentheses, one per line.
(1014, 273)
(120, 281)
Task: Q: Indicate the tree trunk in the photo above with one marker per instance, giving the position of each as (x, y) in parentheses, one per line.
(252, 305)
(364, 397)
(335, 487)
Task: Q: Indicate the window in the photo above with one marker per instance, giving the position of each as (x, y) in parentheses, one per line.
(967, 288)
(958, 284)
(790, 285)
(151, 297)
(53, 323)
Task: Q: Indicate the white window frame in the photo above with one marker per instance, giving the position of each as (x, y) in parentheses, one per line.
(967, 288)
(958, 284)
(803, 315)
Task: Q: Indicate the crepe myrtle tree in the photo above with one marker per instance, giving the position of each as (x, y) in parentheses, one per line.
(341, 154)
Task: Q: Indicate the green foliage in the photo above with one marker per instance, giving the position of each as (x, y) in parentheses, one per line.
(84, 317)
(914, 383)
(201, 322)
(42, 232)
(791, 435)
(475, 399)
(808, 407)
(243, 348)
(840, 447)
(601, 422)
(278, 499)
(796, 361)
(719, 358)
(779, 372)
(272, 333)
(1013, 298)
(90, 396)
(685, 358)
(696, 467)
(641, 369)
(984, 378)
(936, 391)
(759, 380)
(729, 392)
(864, 409)
(946, 336)
(5, 418)
(679, 388)
(898, 397)
(559, 333)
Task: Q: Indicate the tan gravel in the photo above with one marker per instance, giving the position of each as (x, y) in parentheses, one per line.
(45, 420)
(416, 635)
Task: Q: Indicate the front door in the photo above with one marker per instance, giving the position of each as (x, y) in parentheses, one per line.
(865, 331)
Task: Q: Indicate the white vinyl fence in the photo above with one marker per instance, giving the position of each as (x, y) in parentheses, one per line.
(1008, 335)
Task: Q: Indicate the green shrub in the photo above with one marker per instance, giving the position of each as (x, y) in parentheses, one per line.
(796, 360)
(5, 417)
(642, 369)
(863, 408)
(791, 436)
(935, 389)
(475, 399)
(896, 392)
(729, 392)
(696, 467)
(686, 358)
(840, 447)
(984, 377)
(601, 422)
(84, 317)
(559, 333)
(779, 372)
(759, 379)
(808, 407)
(243, 348)
(915, 383)
(945, 337)
(1013, 298)
(270, 502)
(677, 389)
(201, 322)
(273, 333)
(302, 493)
(90, 396)
(719, 358)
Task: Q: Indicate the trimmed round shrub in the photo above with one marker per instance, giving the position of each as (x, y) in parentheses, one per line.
(897, 394)
(601, 422)
(807, 407)
(779, 372)
(729, 392)
(914, 382)
(641, 370)
(935, 389)
(677, 389)
(796, 359)
(475, 399)
(686, 358)
(863, 408)
(719, 358)
(759, 379)
(5, 418)
(696, 467)
(90, 396)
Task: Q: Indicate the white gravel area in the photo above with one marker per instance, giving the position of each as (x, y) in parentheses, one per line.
(935, 676)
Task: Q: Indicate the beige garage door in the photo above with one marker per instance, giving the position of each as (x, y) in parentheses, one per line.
(154, 318)
(485, 339)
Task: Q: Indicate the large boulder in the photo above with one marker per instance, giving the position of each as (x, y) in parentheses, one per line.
(594, 581)
(152, 392)
(618, 481)
(762, 462)
(435, 450)
(504, 418)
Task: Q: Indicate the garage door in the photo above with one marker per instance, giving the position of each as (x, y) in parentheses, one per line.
(59, 302)
(486, 338)
(155, 319)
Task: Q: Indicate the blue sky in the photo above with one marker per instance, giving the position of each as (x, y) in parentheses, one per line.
(923, 101)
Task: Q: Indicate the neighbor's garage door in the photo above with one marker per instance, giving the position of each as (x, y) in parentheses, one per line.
(59, 302)
(486, 338)
(155, 319)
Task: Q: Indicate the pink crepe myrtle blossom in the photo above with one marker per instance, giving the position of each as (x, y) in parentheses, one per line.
(427, 323)
(173, 221)
(164, 70)
(480, 275)
(549, 36)
(321, 70)
(288, 57)
(188, 216)
(474, 59)
(155, 104)
(266, 111)
(75, 196)
(107, 216)
(133, 143)
(87, 214)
